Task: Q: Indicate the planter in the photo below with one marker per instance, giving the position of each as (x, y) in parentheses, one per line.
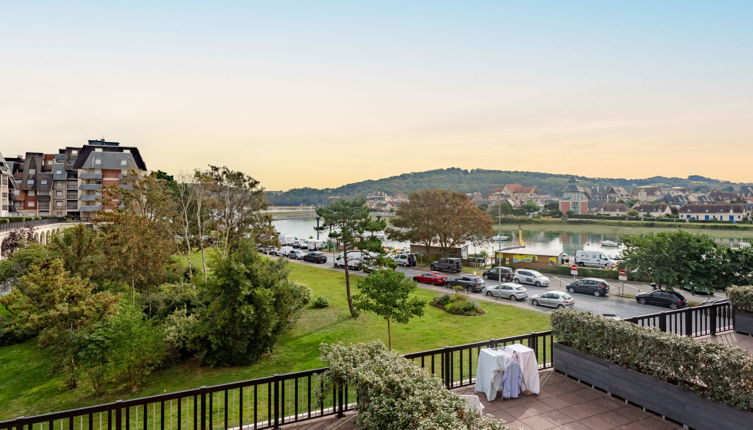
(663, 398)
(743, 322)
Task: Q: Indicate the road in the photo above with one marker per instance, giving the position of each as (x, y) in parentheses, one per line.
(611, 304)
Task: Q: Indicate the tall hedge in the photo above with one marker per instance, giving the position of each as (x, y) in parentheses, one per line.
(741, 297)
(717, 372)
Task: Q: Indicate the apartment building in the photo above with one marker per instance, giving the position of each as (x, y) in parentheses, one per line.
(7, 185)
(70, 182)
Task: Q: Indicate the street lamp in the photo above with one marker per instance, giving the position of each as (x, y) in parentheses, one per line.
(318, 218)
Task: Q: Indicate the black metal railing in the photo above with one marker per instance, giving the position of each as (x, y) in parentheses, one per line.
(266, 402)
(12, 225)
(692, 322)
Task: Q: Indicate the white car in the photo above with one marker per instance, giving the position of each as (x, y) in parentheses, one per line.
(593, 258)
(508, 290)
(531, 277)
(553, 299)
(297, 254)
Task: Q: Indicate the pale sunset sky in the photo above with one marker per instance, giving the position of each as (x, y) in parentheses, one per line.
(323, 93)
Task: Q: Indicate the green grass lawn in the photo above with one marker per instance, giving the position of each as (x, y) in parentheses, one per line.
(30, 387)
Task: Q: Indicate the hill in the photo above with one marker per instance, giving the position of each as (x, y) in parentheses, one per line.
(468, 181)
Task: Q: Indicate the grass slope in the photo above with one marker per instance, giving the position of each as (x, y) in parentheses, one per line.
(29, 387)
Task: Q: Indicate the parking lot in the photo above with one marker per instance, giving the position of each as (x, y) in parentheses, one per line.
(610, 304)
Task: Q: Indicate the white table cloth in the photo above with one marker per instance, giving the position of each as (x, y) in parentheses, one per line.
(491, 365)
(528, 366)
(493, 362)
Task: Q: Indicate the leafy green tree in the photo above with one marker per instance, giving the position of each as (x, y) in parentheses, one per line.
(80, 249)
(674, 259)
(445, 218)
(530, 207)
(61, 307)
(498, 209)
(248, 303)
(350, 223)
(388, 294)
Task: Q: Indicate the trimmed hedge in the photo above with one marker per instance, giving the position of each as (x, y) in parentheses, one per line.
(457, 304)
(741, 297)
(717, 372)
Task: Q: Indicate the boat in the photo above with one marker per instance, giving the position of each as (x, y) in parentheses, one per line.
(609, 243)
(500, 238)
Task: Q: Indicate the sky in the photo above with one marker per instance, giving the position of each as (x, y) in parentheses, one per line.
(324, 93)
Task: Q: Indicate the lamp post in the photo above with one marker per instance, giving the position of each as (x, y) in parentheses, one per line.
(318, 218)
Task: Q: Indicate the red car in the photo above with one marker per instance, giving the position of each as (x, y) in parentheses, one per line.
(434, 278)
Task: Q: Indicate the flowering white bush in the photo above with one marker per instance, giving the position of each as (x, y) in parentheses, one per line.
(393, 393)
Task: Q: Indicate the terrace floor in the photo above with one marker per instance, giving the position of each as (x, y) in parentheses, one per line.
(731, 338)
(562, 404)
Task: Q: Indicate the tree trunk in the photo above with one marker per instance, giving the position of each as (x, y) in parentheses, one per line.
(353, 311)
(389, 334)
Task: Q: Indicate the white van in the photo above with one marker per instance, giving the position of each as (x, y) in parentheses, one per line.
(301, 243)
(315, 245)
(286, 240)
(593, 258)
(355, 259)
(284, 251)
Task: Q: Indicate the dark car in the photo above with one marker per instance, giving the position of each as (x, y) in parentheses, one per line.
(499, 273)
(434, 278)
(597, 287)
(668, 299)
(469, 282)
(315, 257)
(452, 265)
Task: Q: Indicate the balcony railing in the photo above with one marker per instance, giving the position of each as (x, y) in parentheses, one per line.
(693, 322)
(92, 208)
(90, 197)
(90, 175)
(294, 397)
(90, 187)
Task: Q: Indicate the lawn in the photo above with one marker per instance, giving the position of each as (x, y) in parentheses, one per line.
(30, 387)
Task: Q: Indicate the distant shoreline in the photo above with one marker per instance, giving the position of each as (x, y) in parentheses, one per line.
(624, 227)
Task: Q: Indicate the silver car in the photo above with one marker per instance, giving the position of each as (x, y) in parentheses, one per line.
(531, 277)
(553, 299)
(296, 254)
(507, 290)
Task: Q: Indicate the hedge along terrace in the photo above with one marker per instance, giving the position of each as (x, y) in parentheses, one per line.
(717, 372)
(741, 297)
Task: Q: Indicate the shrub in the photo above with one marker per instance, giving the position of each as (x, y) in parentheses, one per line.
(393, 393)
(718, 372)
(457, 304)
(741, 297)
(320, 302)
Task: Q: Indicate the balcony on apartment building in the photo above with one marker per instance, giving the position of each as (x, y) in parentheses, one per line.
(90, 187)
(93, 208)
(90, 175)
(90, 197)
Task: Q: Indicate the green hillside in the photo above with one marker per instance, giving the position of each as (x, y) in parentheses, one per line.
(480, 180)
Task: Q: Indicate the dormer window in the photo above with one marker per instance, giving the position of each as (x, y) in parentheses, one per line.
(123, 162)
(97, 161)
(74, 151)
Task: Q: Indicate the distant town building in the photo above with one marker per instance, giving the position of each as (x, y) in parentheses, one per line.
(70, 182)
(574, 198)
(746, 190)
(7, 185)
(730, 212)
(646, 193)
(652, 209)
(614, 209)
(723, 196)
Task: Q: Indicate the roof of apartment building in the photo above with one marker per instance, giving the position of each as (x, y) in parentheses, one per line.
(714, 208)
(651, 207)
(723, 196)
(110, 156)
(649, 190)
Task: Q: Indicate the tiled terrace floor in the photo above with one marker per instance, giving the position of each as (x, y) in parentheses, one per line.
(562, 404)
(732, 338)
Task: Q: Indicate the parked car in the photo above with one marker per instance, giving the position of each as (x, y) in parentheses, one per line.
(531, 277)
(301, 243)
(469, 282)
(611, 316)
(668, 299)
(597, 287)
(434, 278)
(593, 258)
(499, 273)
(355, 259)
(315, 257)
(452, 265)
(553, 299)
(284, 251)
(699, 289)
(296, 254)
(405, 260)
(506, 291)
(315, 245)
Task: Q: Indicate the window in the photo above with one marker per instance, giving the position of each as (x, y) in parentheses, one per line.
(97, 149)
(32, 204)
(59, 194)
(97, 161)
(16, 192)
(58, 204)
(29, 182)
(31, 192)
(74, 151)
(123, 162)
(32, 171)
(58, 172)
(43, 181)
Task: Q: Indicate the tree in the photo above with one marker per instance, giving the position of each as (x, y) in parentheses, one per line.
(61, 307)
(248, 303)
(144, 195)
(184, 204)
(674, 259)
(16, 239)
(387, 294)
(80, 249)
(530, 207)
(350, 221)
(633, 213)
(237, 204)
(498, 209)
(200, 192)
(446, 218)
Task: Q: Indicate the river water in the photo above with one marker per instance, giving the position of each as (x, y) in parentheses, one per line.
(549, 241)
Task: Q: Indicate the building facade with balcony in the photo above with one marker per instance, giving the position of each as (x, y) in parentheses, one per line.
(69, 183)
